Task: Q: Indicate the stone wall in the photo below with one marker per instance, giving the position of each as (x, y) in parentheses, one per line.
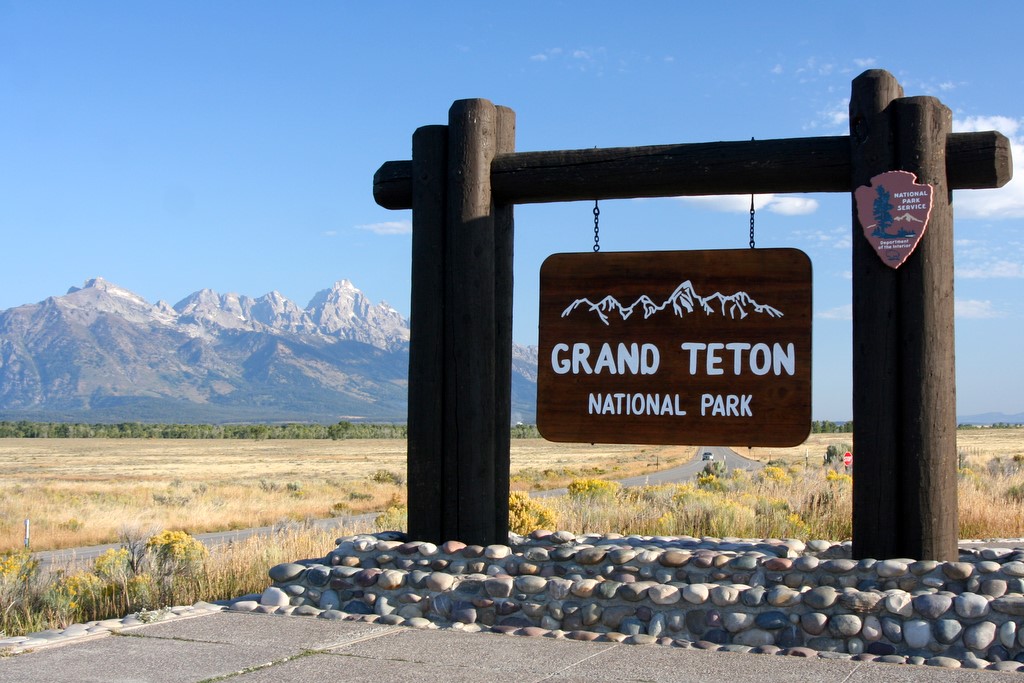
(768, 595)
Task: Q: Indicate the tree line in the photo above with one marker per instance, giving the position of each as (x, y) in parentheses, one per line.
(292, 430)
(830, 427)
(141, 430)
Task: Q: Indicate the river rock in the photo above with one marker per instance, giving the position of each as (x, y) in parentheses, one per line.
(917, 633)
(947, 630)
(662, 594)
(820, 597)
(844, 625)
(932, 605)
(890, 569)
(971, 605)
(979, 636)
(696, 593)
(288, 571)
(274, 597)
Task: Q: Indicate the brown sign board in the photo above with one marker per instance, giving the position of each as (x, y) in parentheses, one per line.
(680, 347)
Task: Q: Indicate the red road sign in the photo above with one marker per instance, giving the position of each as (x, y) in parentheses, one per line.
(847, 458)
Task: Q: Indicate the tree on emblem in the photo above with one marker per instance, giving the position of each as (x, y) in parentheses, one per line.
(882, 212)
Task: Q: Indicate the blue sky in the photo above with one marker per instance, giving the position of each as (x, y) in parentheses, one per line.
(172, 146)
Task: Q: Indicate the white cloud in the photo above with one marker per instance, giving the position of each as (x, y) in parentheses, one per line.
(813, 69)
(836, 238)
(1008, 200)
(975, 309)
(546, 54)
(388, 228)
(739, 203)
(865, 62)
(844, 312)
(1004, 124)
(833, 118)
(994, 269)
(792, 206)
(777, 69)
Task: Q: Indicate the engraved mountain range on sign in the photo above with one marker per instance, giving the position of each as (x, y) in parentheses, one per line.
(682, 301)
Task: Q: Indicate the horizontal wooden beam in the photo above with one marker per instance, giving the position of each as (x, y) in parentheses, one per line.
(821, 164)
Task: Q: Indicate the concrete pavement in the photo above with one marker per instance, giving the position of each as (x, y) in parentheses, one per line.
(252, 648)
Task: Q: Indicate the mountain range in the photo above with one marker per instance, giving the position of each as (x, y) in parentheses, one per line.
(101, 353)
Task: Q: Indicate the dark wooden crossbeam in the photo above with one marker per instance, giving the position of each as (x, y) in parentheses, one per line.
(820, 164)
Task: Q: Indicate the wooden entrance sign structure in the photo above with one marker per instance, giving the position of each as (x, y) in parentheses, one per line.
(464, 179)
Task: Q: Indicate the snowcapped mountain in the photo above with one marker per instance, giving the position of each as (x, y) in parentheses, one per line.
(103, 353)
(345, 312)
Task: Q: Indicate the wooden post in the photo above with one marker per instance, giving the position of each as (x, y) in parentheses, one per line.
(876, 335)
(904, 396)
(470, 327)
(424, 466)
(504, 234)
(927, 381)
(460, 356)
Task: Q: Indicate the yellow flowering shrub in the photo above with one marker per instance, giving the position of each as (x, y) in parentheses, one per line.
(593, 488)
(113, 565)
(394, 518)
(772, 474)
(837, 477)
(526, 514)
(710, 482)
(176, 552)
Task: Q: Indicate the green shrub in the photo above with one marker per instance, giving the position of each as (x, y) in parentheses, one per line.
(1016, 493)
(387, 477)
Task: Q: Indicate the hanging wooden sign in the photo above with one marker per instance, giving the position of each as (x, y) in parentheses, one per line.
(683, 347)
(893, 211)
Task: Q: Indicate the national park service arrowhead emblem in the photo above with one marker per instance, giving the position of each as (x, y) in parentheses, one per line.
(894, 212)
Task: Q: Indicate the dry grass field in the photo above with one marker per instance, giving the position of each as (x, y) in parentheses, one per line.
(80, 492)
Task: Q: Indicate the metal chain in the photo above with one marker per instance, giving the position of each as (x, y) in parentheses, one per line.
(751, 215)
(597, 228)
(751, 221)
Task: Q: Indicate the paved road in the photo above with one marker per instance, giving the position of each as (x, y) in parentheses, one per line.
(687, 472)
